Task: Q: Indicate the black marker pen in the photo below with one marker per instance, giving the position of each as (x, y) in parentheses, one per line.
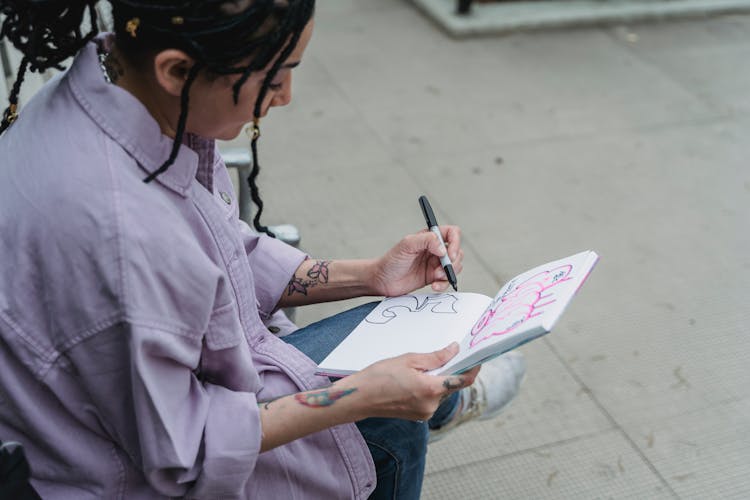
(432, 225)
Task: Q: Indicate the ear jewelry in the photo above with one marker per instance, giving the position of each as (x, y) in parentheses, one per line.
(253, 131)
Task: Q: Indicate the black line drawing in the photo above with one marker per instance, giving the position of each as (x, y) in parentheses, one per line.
(444, 303)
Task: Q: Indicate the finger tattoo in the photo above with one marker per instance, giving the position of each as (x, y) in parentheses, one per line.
(453, 383)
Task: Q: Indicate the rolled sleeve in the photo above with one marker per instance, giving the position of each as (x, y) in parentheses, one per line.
(232, 441)
(188, 437)
(273, 263)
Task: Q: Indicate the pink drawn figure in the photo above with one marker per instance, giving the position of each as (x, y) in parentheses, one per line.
(519, 304)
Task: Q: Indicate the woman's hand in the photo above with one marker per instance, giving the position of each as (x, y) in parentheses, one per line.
(396, 388)
(414, 262)
(399, 387)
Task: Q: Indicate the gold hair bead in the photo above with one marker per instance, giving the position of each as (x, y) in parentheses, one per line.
(11, 113)
(132, 26)
(178, 20)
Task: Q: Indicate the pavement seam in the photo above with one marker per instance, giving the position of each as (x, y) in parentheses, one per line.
(526, 450)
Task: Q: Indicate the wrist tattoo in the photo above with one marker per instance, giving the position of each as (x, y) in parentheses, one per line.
(453, 383)
(317, 274)
(320, 399)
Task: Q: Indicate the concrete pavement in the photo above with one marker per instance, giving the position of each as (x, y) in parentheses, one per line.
(630, 140)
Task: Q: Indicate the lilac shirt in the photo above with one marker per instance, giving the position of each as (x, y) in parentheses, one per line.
(132, 345)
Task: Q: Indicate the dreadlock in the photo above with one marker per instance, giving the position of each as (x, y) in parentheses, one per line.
(220, 35)
(47, 33)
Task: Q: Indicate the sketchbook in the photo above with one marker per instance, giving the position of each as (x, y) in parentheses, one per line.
(525, 308)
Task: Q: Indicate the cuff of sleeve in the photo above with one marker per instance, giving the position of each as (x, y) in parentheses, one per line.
(274, 263)
(231, 444)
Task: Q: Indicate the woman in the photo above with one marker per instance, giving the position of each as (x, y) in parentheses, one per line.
(137, 358)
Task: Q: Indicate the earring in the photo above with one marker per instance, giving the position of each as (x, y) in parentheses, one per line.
(253, 131)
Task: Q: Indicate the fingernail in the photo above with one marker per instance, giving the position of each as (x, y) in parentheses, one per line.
(441, 275)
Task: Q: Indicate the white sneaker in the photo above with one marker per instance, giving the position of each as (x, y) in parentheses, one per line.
(495, 387)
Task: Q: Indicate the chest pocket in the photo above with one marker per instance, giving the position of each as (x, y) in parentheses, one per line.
(224, 360)
(224, 328)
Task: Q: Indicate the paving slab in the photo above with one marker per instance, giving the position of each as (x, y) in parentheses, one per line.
(698, 458)
(695, 69)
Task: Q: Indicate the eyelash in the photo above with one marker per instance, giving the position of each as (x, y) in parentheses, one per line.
(275, 86)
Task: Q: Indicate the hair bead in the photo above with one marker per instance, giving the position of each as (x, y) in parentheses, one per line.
(132, 26)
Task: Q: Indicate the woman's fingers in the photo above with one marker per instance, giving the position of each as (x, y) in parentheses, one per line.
(433, 360)
(405, 391)
(452, 238)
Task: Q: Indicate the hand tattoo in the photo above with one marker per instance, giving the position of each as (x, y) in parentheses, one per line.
(320, 399)
(317, 274)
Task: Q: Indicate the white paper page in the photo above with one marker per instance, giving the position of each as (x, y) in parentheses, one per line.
(410, 323)
(529, 303)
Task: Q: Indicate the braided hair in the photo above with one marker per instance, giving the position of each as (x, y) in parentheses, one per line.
(45, 34)
(220, 35)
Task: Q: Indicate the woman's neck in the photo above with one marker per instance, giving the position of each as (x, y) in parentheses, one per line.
(162, 107)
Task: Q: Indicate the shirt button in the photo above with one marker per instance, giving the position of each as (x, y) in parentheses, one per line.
(225, 196)
(274, 329)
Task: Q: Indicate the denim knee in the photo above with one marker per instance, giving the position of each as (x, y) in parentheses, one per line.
(398, 448)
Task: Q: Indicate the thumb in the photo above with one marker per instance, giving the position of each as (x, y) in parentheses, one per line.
(436, 359)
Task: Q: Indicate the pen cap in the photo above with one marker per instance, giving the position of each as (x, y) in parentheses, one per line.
(429, 215)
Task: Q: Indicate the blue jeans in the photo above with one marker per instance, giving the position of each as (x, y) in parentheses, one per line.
(398, 447)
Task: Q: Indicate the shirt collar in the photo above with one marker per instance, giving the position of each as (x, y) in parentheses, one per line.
(127, 121)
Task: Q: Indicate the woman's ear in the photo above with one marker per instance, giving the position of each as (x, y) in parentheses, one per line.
(171, 68)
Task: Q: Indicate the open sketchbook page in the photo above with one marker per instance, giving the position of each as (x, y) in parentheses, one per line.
(410, 323)
(524, 308)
